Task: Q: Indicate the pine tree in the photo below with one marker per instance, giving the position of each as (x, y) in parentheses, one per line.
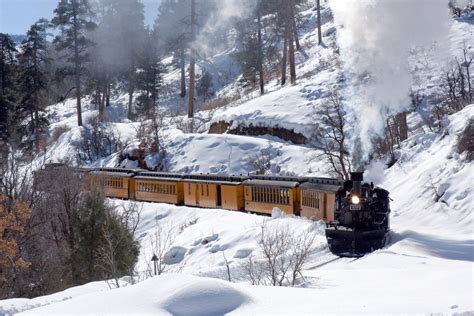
(9, 96)
(33, 60)
(73, 17)
(172, 32)
(119, 37)
(290, 23)
(149, 77)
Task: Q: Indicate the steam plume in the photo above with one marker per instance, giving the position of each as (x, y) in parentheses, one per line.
(375, 38)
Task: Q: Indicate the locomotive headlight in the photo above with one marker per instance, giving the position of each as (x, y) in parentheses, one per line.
(355, 199)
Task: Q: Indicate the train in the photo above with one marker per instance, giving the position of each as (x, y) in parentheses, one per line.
(356, 213)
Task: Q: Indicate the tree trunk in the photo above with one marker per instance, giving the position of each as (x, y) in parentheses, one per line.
(35, 107)
(320, 37)
(130, 102)
(295, 34)
(131, 89)
(183, 73)
(283, 63)
(291, 44)
(107, 91)
(192, 66)
(260, 52)
(77, 65)
(101, 102)
(402, 126)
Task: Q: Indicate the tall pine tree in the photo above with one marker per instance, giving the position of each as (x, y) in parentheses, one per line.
(33, 60)
(9, 95)
(73, 17)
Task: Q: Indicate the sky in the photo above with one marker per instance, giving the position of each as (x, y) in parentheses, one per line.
(16, 16)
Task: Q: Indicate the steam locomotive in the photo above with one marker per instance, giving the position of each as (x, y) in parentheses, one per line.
(361, 218)
(356, 213)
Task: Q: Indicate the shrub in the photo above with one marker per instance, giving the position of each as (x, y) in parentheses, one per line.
(57, 132)
(466, 141)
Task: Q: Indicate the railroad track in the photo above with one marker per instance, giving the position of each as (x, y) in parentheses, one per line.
(320, 265)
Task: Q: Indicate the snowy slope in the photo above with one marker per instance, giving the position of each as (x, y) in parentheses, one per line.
(185, 295)
(426, 268)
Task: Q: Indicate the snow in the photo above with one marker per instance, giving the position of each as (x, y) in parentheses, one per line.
(17, 305)
(426, 268)
(431, 163)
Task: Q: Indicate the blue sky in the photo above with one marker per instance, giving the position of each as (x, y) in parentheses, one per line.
(16, 16)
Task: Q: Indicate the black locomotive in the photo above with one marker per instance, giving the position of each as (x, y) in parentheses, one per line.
(361, 218)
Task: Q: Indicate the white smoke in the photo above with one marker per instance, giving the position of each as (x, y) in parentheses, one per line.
(374, 172)
(462, 3)
(375, 39)
(221, 19)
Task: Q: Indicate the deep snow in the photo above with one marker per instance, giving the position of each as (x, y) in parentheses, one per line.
(426, 268)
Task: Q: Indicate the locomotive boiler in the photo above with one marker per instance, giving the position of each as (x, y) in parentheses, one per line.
(361, 218)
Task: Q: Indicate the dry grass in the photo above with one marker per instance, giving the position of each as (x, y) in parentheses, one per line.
(57, 132)
(219, 102)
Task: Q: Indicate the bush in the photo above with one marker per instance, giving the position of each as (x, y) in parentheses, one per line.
(106, 247)
(57, 132)
(96, 142)
(466, 141)
(284, 256)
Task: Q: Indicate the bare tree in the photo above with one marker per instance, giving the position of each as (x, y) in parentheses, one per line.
(229, 277)
(254, 270)
(107, 255)
(118, 250)
(284, 256)
(261, 163)
(331, 136)
(161, 243)
(302, 247)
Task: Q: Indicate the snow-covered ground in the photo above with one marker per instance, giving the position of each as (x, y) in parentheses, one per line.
(426, 268)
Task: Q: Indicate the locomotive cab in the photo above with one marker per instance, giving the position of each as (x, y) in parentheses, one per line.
(361, 218)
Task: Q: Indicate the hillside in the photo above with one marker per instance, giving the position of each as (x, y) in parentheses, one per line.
(427, 266)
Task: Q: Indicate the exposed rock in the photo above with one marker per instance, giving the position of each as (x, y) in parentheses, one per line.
(251, 130)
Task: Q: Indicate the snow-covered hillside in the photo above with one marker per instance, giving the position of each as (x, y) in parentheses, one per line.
(427, 267)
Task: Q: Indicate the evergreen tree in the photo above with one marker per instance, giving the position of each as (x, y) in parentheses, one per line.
(33, 60)
(106, 248)
(149, 77)
(204, 88)
(73, 17)
(120, 38)
(9, 95)
(172, 32)
(247, 50)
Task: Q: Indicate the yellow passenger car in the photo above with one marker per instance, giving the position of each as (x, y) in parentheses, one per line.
(318, 198)
(113, 182)
(214, 191)
(262, 194)
(159, 187)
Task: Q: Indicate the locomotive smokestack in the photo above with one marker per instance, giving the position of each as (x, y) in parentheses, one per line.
(357, 178)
